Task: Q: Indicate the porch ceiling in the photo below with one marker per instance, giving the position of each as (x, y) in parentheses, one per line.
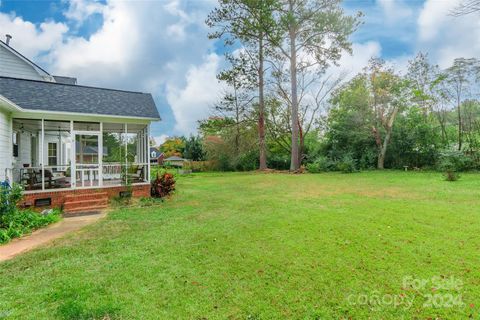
(34, 125)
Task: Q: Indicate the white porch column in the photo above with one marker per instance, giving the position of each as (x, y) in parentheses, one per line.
(142, 146)
(8, 159)
(100, 156)
(139, 146)
(148, 151)
(125, 138)
(42, 153)
(73, 169)
(142, 152)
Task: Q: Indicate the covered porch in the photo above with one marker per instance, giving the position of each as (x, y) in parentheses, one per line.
(51, 154)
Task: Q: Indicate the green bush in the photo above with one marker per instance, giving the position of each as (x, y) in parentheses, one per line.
(14, 222)
(247, 161)
(23, 222)
(278, 161)
(347, 165)
(224, 163)
(9, 197)
(455, 161)
(321, 164)
(451, 175)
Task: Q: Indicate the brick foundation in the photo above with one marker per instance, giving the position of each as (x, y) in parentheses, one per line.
(58, 197)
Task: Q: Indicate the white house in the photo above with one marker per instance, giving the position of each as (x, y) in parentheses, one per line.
(58, 135)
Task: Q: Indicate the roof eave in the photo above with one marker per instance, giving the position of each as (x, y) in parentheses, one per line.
(21, 112)
(9, 105)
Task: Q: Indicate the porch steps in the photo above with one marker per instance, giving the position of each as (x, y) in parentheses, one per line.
(86, 202)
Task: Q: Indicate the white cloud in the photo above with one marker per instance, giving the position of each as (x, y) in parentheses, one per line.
(79, 10)
(161, 46)
(193, 101)
(159, 140)
(354, 63)
(446, 37)
(106, 54)
(30, 39)
(142, 45)
(395, 10)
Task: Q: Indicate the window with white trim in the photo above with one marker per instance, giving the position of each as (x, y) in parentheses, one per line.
(52, 154)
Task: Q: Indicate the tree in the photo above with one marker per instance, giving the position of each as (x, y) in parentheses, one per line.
(114, 147)
(173, 147)
(422, 76)
(194, 149)
(471, 127)
(220, 138)
(427, 82)
(314, 33)
(314, 89)
(389, 95)
(460, 76)
(237, 101)
(247, 21)
(348, 128)
(214, 126)
(466, 7)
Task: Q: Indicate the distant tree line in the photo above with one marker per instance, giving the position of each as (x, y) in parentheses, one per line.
(283, 107)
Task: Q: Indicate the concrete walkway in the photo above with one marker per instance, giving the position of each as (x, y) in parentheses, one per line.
(45, 235)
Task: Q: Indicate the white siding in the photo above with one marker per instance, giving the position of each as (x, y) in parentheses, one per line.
(5, 143)
(13, 66)
(24, 150)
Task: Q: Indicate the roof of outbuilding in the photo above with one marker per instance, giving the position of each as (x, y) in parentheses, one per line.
(60, 97)
(175, 158)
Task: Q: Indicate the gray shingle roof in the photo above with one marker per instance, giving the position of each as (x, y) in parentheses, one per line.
(58, 97)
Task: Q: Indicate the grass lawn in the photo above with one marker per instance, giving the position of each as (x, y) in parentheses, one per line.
(267, 246)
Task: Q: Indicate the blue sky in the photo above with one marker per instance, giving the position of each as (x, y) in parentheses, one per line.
(161, 46)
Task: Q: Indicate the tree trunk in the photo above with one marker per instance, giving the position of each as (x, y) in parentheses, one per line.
(302, 143)
(261, 107)
(443, 130)
(383, 152)
(460, 137)
(295, 163)
(237, 121)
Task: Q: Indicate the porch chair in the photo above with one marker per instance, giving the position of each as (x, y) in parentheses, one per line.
(138, 175)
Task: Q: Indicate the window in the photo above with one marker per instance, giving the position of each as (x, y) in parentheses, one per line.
(52, 154)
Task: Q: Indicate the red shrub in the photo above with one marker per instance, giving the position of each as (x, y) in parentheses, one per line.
(163, 185)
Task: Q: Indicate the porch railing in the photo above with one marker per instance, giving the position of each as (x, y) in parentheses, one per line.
(87, 175)
(121, 173)
(38, 178)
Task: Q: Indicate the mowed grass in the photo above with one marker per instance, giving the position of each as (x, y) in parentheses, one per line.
(266, 246)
